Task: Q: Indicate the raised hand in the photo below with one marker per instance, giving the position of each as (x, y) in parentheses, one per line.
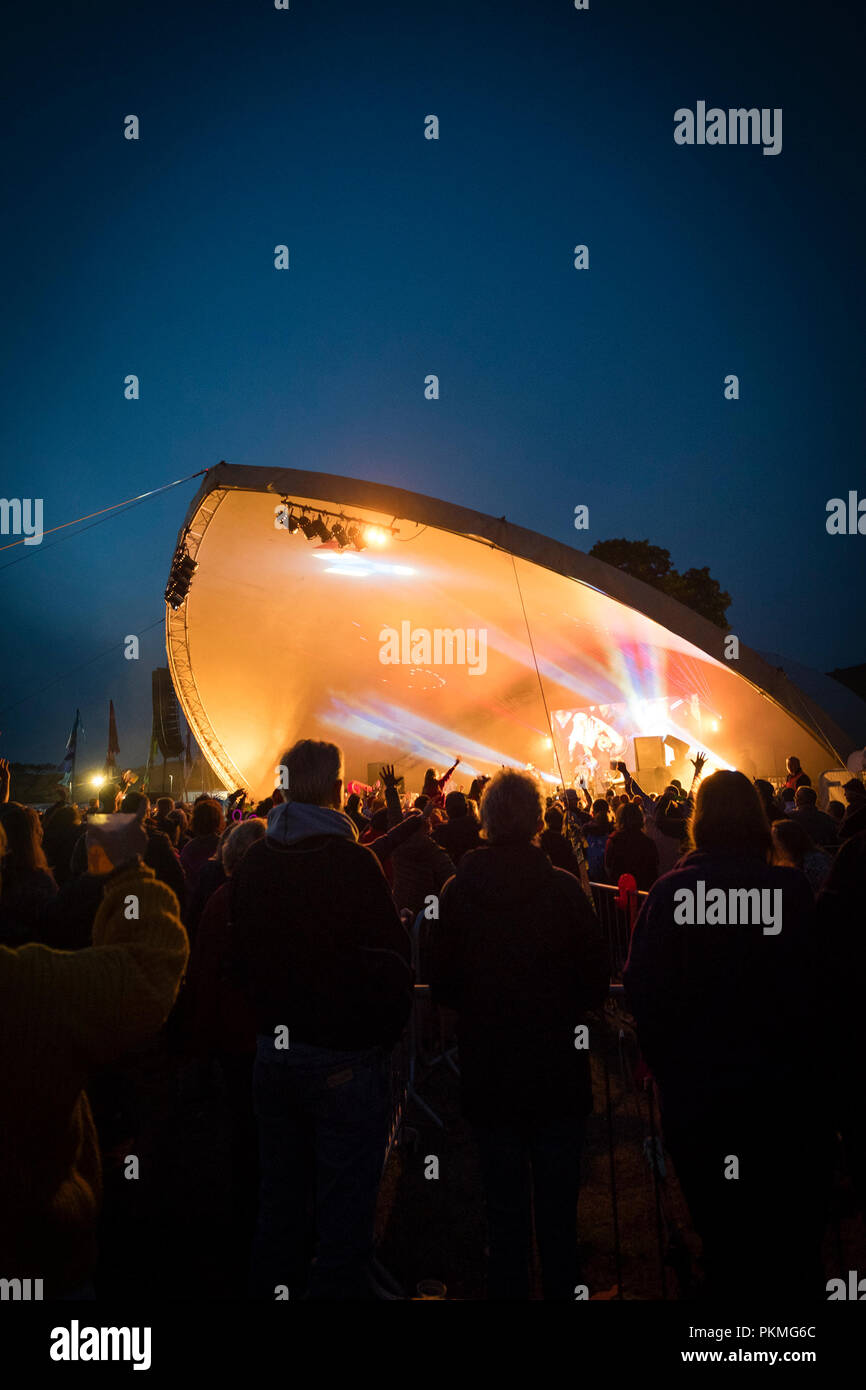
(389, 778)
(698, 763)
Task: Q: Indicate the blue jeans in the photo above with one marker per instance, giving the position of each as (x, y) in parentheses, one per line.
(534, 1167)
(323, 1123)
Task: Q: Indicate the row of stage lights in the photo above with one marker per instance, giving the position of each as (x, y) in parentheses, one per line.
(344, 532)
(183, 567)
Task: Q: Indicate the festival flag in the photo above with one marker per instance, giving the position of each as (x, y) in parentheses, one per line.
(68, 763)
(113, 745)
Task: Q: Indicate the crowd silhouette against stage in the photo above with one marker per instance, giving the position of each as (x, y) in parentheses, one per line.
(281, 951)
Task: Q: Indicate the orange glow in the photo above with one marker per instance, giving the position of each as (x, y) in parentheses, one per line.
(376, 535)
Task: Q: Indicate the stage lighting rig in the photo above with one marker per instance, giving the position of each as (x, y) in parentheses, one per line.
(344, 530)
(183, 567)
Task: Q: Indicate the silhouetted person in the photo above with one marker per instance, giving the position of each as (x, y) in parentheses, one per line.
(461, 831)
(519, 954)
(555, 844)
(324, 958)
(630, 850)
(722, 1010)
(817, 825)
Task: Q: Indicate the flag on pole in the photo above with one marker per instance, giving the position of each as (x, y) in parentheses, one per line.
(113, 745)
(71, 747)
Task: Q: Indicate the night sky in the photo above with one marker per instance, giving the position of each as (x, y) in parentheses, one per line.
(411, 256)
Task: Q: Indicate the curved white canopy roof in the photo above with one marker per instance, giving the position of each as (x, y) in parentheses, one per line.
(463, 635)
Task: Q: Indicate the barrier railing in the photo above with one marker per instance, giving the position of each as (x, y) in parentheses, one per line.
(617, 907)
(429, 1040)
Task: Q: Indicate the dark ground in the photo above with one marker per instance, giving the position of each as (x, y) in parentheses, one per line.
(168, 1234)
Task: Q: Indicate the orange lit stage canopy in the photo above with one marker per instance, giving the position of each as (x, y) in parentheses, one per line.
(451, 633)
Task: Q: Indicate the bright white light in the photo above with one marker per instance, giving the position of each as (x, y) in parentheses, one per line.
(375, 535)
(349, 563)
(97, 780)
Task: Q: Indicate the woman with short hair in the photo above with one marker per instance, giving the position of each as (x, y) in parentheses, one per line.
(517, 951)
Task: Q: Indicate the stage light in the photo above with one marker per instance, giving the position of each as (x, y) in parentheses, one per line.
(355, 538)
(338, 531)
(183, 567)
(292, 523)
(375, 535)
(714, 725)
(308, 526)
(319, 529)
(98, 780)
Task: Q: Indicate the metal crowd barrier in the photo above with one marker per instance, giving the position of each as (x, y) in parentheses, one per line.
(430, 1036)
(617, 907)
(630, 1104)
(429, 1040)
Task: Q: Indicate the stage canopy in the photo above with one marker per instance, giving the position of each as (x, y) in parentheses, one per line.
(449, 634)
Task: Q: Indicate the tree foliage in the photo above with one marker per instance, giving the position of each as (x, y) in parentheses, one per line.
(695, 588)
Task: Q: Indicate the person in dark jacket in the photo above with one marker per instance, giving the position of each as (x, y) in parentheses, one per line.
(817, 825)
(159, 856)
(324, 958)
(163, 820)
(207, 826)
(554, 843)
(222, 1027)
(461, 831)
(840, 912)
(29, 885)
(854, 820)
(420, 866)
(770, 802)
(61, 830)
(630, 850)
(721, 979)
(596, 831)
(518, 953)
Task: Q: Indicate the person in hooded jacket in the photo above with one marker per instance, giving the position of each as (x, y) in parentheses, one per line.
(318, 947)
(518, 952)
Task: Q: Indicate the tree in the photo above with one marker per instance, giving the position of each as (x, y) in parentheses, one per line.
(695, 588)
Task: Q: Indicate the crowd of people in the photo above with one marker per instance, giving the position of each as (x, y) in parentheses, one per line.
(273, 941)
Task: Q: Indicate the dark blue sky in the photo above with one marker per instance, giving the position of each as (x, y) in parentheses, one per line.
(410, 256)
